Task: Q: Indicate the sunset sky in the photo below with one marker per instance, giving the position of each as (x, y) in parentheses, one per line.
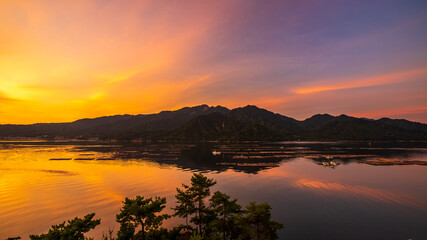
(65, 60)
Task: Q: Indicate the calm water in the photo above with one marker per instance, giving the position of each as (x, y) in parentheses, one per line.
(318, 190)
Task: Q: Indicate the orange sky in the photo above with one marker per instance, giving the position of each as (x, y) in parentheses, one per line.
(65, 60)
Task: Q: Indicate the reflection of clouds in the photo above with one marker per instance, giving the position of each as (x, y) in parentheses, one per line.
(373, 194)
(37, 192)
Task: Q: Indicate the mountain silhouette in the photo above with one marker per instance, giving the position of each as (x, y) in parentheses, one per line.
(219, 123)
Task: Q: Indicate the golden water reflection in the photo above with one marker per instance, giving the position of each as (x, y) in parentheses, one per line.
(36, 193)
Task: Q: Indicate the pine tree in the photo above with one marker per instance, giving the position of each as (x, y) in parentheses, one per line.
(140, 212)
(257, 223)
(191, 200)
(226, 211)
(73, 230)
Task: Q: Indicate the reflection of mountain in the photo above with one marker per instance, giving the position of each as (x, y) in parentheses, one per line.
(249, 157)
(219, 123)
(255, 157)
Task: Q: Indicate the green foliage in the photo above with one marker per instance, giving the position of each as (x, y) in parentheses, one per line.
(108, 236)
(191, 201)
(74, 230)
(257, 223)
(140, 212)
(181, 232)
(196, 236)
(127, 231)
(185, 203)
(223, 218)
(139, 218)
(159, 234)
(226, 211)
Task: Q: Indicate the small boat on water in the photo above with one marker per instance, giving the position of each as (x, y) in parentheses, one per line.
(331, 164)
(215, 153)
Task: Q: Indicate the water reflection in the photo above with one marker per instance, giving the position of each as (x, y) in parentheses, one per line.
(255, 157)
(358, 191)
(43, 183)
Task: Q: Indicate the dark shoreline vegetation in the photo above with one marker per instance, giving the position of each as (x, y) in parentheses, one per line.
(205, 123)
(216, 218)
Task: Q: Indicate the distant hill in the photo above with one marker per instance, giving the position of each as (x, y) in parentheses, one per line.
(219, 123)
(216, 126)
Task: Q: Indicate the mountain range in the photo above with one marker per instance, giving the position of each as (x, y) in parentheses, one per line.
(219, 123)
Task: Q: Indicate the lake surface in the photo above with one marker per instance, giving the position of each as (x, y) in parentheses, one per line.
(335, 190)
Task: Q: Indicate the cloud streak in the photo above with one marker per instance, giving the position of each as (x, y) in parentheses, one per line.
(363, 82)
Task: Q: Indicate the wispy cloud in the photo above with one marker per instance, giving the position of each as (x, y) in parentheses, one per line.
(362, 82)
(393, 112)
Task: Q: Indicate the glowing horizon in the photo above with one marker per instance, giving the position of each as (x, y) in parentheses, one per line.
(67, 60)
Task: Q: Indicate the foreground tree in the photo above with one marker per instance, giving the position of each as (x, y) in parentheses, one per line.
(257, 223)
(223, 218)
(74, 230)
(140, 212)
(226, 211)
(191, 201)
(185, 204)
